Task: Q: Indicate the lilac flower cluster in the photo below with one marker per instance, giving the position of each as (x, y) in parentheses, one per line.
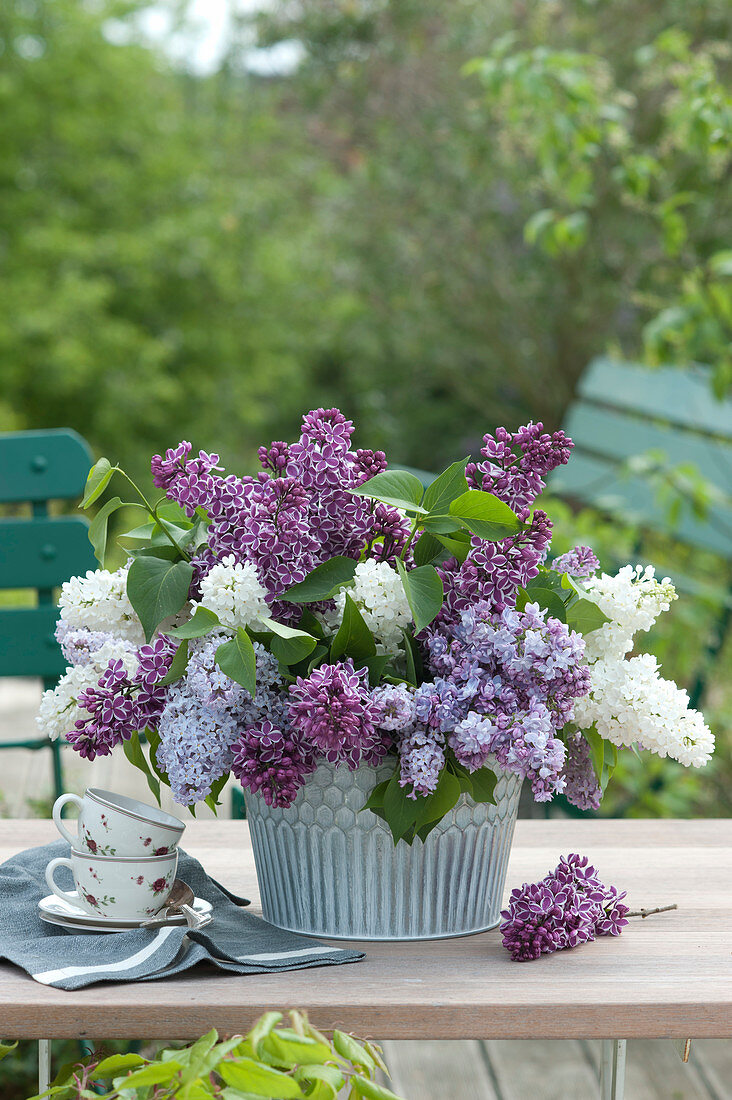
(580, 562)
(505, 685)
(297, 513)
(272, 761)
(122, 704)
(513, 468)
(331, 710)
(568, 907)
(581, 786)
(206, 715)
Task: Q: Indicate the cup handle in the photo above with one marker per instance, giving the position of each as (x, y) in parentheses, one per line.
(60, 861)
(58, 821)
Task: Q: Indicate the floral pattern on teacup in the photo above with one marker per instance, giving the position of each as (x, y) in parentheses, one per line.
(95, 902)
(94, 846)
(159, 885)
(147, 841)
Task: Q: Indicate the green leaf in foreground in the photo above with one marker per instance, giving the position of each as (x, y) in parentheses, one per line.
(238, 660)
(178, 666)
(118, 1063)
(97, 481)
(604, 756)
(371, 1091)
(400, 812)
(424, 592)
(485, 515)
(289, 644)
(98, 528)
(396, 487)
(354, 639)
(6, 1049)
(133, 751)
(584, 616)
(546, 599)
(157, 589)
(444, 489)
(202, 623)
(249, 1076)
(323, 582)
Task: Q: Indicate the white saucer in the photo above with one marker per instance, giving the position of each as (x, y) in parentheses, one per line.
(54, 910)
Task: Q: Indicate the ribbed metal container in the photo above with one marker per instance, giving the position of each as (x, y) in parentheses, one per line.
(328, 870)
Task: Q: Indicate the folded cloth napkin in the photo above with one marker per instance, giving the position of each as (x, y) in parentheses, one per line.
(236, 941)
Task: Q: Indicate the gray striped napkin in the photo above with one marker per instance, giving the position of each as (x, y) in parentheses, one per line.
(236, 941)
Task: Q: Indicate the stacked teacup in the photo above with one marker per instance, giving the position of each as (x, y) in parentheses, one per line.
(124, 856)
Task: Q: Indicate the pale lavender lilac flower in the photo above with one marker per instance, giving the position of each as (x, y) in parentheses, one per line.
(581, 562)
(581, 786)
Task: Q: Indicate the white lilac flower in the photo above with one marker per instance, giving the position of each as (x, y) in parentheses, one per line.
(379, 594)
(632, 600)
(98, 601)
(233, 592)
(630, 703)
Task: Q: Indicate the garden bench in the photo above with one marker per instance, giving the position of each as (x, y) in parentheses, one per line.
(666, 977)
(38, 552)
(626, 409)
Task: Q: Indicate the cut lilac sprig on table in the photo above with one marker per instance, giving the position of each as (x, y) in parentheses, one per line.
(569, 906)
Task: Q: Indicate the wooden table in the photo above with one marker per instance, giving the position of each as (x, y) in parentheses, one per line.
(669, 976)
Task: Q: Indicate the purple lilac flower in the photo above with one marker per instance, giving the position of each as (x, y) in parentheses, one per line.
(581, 786)
(113, 714)
(421, 759)
(392, 707)
(581, 562)
(568, 907)
(515, 464)
(331, 709)
(78, 644)
(271, 762)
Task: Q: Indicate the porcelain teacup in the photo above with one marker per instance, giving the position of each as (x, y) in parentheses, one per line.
(114, 825)
(122, 887)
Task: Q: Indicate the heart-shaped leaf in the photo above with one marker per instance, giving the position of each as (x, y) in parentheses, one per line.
(289, 645)
(323, 582)
(354, 639)
(444, 489)
(546, 599)
(202, 623)
(97, 481)
(238, 660)
(485, 515)
(98, 528)
(157, 589)
(396, 487)
(424, 592)
(585, 616)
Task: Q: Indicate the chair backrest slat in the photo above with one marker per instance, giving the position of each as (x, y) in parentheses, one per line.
(37, 466)
(28, 646)
(664, 393)
(43, 553)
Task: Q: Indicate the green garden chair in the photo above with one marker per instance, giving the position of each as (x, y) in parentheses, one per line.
(626, 409)
(38, 552)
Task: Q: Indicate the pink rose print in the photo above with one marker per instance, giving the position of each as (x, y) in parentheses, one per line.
(159, 885)
(139, 880)
(160, 852)
(147, 841)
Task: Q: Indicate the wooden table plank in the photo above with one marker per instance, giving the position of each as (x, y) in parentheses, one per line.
(668, 976)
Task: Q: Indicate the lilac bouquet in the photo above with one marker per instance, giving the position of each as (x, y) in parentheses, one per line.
(331, 609)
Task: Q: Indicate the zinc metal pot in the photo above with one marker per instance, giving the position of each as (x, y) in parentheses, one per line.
(326, 869)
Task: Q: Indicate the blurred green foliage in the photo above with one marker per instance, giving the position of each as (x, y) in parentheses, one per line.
(435, 243)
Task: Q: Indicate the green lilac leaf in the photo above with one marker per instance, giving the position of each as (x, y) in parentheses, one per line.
(396, 487)
(354, 639)
(442, 525)
(212, 798)
(289, 644)
(156, 1073)
(550, 601)
(97, 481)
(376, 666)
(424, 592)
(427, 548)
(98, 528)
(376, 799)
(585, 616)
(178, 665)
(117, 1063)
(483, 782)
(444, 489)
(133, 751)
(202, 623)
(400, 812)
(323, 582)
(157, 589)
(433, 807)
(238, 660)
(455, 545)
(485, 515)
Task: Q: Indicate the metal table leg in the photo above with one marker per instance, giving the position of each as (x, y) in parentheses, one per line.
(44, 1064)
(612, 1069)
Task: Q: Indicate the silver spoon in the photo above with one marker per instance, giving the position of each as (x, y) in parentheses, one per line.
(179, 901)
